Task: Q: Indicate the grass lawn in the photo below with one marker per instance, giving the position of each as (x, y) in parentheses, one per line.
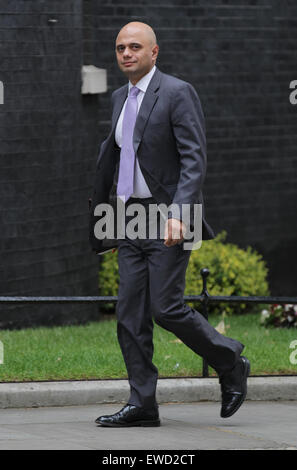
(92, 352)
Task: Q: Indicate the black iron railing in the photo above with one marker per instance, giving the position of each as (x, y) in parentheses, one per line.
(204, 299)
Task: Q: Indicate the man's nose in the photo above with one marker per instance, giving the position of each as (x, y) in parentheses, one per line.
(127, 52)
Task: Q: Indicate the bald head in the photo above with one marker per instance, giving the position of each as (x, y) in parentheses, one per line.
(136, 50)
(142, 29)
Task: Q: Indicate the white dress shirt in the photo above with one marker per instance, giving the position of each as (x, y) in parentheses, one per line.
(140, 188)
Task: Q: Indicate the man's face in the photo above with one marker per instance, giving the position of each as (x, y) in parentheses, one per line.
(135, 53)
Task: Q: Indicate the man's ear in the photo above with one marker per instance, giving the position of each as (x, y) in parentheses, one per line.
(155, 51)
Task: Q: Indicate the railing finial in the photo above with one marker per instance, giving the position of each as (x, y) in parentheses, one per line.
(204, 273)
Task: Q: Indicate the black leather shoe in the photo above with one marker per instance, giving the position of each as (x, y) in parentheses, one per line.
(234, 387)
(130, 415)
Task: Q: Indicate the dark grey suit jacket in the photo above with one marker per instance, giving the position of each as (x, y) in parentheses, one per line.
(169, 141)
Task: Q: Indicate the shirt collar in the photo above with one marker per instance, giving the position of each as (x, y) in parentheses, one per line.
(143, 83)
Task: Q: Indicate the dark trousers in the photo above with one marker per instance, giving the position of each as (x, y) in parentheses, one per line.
(152, 282)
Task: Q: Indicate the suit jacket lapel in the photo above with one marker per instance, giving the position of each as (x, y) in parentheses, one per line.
(148, 102)
(118, 105)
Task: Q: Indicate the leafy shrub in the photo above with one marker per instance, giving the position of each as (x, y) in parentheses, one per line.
(233, 271)
(109, 278)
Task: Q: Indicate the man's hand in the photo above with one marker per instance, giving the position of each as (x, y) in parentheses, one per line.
(174, 232)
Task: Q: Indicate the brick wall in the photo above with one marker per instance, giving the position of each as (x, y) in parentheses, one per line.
(241, 56)
(46, 162)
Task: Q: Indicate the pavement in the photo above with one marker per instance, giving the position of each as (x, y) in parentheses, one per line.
(60, 415)
(184, 426)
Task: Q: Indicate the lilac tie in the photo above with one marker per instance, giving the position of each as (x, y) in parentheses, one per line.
(127, 157)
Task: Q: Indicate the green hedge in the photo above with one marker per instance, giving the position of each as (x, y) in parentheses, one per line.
(109, 278)
(233, 271)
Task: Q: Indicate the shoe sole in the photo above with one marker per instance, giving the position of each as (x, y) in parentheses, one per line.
(247, 369)
(144, 423)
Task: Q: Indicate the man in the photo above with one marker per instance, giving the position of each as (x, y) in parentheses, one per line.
(156, 153)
